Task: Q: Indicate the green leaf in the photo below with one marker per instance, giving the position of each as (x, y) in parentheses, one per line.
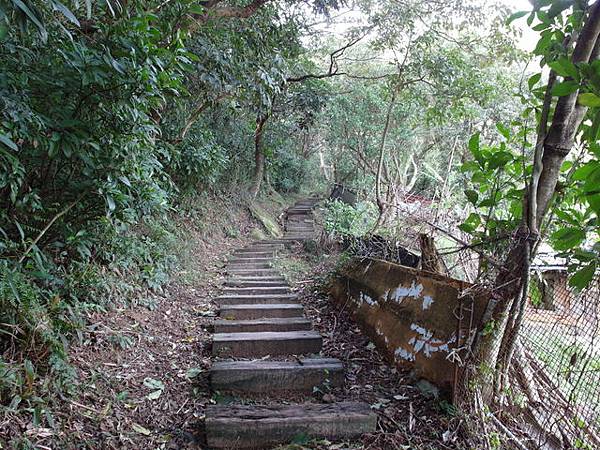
(153, 384)
(504, 131)
(583, 277)
(472, 196)
(8, 142)
(564, 67)
(23, 7)
(533, 80)
(474, 146)
(565, 88)
(589, 99)
(592, 181)
(58, 6)
(567, 238)
(499, 159)
(196, 9)
(516, 16)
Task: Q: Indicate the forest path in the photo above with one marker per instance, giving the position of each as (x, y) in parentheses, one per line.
(263, 344)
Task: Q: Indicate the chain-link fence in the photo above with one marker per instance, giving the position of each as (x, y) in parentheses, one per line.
(560, 336)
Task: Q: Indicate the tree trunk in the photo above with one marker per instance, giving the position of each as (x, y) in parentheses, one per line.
(259, 156)
(506, 304)
(380, 164)
(431, 260)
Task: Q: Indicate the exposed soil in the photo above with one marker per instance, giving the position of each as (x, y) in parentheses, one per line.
(142, 370)
(410, 417)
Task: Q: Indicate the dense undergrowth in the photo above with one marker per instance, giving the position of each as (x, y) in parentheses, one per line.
(116, 126)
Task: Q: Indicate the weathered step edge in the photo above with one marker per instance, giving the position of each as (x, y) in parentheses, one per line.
(266, 343)
(266, 376)
(264, 426)
(260, 325)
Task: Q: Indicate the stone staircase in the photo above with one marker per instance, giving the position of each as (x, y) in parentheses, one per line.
(263, 344)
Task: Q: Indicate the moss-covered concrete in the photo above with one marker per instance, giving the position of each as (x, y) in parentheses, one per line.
(267, 220)
(414, 317)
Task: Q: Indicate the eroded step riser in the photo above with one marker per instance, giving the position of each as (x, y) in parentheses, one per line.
(250, 259)
(262, 325)
(262, 344)
(269, 376)
(252, 272)
(255, 299)
(249, 266)
(258, 284)
(231, 291)
(256, 311)
(261, 427)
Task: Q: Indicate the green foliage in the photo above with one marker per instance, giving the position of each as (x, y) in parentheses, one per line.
(340, 219)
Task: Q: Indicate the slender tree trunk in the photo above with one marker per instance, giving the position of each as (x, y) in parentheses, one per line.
(259, 156)
(380, 164)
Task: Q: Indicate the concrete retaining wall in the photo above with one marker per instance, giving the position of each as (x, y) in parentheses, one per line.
(412, 316)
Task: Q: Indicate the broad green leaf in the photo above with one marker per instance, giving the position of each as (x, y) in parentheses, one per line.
(583, 277)
(565, 88)
(516, 16)
(592, 180)
(8, 142)
(153, 383)
(504, 131)
(533, 80)
(564, 67)
(472, 196)
(567, 238)
(589, 99)
(499, 159)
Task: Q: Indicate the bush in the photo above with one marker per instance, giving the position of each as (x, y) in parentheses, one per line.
(342, 219)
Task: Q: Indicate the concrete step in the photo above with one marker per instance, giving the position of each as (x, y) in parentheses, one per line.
(268, 290)
(255, 299)
(261, 248)
(253, 254)
(264, 311)
(256, 426)
(236, 282)
(258, 278)
(249, 259)
(259, 325)
(249, 265)
(269, 376)
(253, 272)
(266, 343)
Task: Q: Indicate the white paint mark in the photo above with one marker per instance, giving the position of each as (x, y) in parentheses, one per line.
(402, 292)
(426, 343)
(367, 298)
(404, 354)
(427, 302)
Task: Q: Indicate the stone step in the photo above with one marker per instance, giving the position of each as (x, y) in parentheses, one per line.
(236, 282)
(268, 290)
(259, 325)
(266, 343)
(267, 376)
(255, 299)
(262, 426)
(264, 311)
(254, 272)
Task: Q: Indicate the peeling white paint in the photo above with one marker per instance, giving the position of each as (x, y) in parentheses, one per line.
(426, 344)
(402, 292)
(427, 302)
(404, 354)
(366, 298)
